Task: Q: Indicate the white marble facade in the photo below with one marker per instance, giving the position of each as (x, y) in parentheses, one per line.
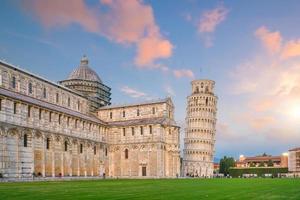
(48, 130)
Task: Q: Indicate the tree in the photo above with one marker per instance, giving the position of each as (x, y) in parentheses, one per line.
(225, 164)
(270, 163)
(252, 164)
(261, 164)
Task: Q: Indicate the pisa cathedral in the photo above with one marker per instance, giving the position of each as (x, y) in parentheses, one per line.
(69, 128)
(200, 130)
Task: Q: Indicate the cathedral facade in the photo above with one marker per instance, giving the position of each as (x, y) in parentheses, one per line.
(70, 129)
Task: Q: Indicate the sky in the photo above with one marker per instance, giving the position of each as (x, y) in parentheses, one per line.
(153, 49)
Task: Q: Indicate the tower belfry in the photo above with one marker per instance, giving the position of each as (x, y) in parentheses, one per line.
(200, 130)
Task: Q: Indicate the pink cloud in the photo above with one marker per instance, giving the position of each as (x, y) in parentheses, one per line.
(270, 40)
(208, 22)
(210, 19)
(179, 73)
(152, 48)
(62, 13)
(291, 49)
(125, 22)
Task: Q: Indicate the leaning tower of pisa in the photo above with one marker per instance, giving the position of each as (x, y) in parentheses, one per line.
(200, 130)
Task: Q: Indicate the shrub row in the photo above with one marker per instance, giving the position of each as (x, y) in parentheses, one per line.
(260, 171)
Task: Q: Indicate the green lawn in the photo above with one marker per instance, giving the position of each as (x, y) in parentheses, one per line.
(154, 189)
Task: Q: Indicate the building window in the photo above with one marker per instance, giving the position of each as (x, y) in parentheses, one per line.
(44, 93)
(66, 146)
(81, 148)
(169, 131)
(59, 118)
(126, 153)
(68, 121)
(105, 151)
(76, 121)
(83, 123)
(142, 130)
(50, 116)
(57, 97)
(124, 113)
(48, 143)
(138, 112)
(25, 140)
(30, 88)
(40, 114)
(78, 105)
(90, 126)
(132, 130)
(0, 104)
(153, 110)
(15, 108)
(206, 101)
(29, 111)
(110, 115)
(13, 82)
(69, 102)
(95, 150)
(124, 132)
(150, 129)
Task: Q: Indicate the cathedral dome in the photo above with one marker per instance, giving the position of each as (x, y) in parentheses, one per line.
(84, 72)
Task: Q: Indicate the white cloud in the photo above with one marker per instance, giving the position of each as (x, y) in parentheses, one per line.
(132, 92)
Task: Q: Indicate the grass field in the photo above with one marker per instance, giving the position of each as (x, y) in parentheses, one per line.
(154, 189)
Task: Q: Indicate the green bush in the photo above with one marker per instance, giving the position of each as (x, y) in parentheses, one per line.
(260, 171)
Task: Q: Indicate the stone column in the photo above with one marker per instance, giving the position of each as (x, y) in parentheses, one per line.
(62, 165)
(43, 156)
(53, 155)
(18, 135)
(84, 158)
(32, 146)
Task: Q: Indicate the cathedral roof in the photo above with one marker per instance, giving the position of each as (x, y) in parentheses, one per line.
(153, 101)
(49, 106)
(154, 120)
(84, 72)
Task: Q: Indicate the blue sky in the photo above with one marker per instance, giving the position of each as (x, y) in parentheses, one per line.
(153, 49)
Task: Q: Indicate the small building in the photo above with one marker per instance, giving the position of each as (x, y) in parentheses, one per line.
(294, 160)
(262, 161)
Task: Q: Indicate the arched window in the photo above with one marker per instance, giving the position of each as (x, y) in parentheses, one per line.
(150, 129)
(206, 101)
(30, 88)
(110, 115)
(13, 82)
(142, 130)
(25, 140)
(105, 151)
(95, 150)
(153, 110)
(81, 148)
(45, 93)
(124, 113)
(126, 153)
(197, 90)
(66, 146)
(57, 97)
(69, 102)
(48, 143)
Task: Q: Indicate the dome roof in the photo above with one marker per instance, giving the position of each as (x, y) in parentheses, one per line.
(84, 72)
